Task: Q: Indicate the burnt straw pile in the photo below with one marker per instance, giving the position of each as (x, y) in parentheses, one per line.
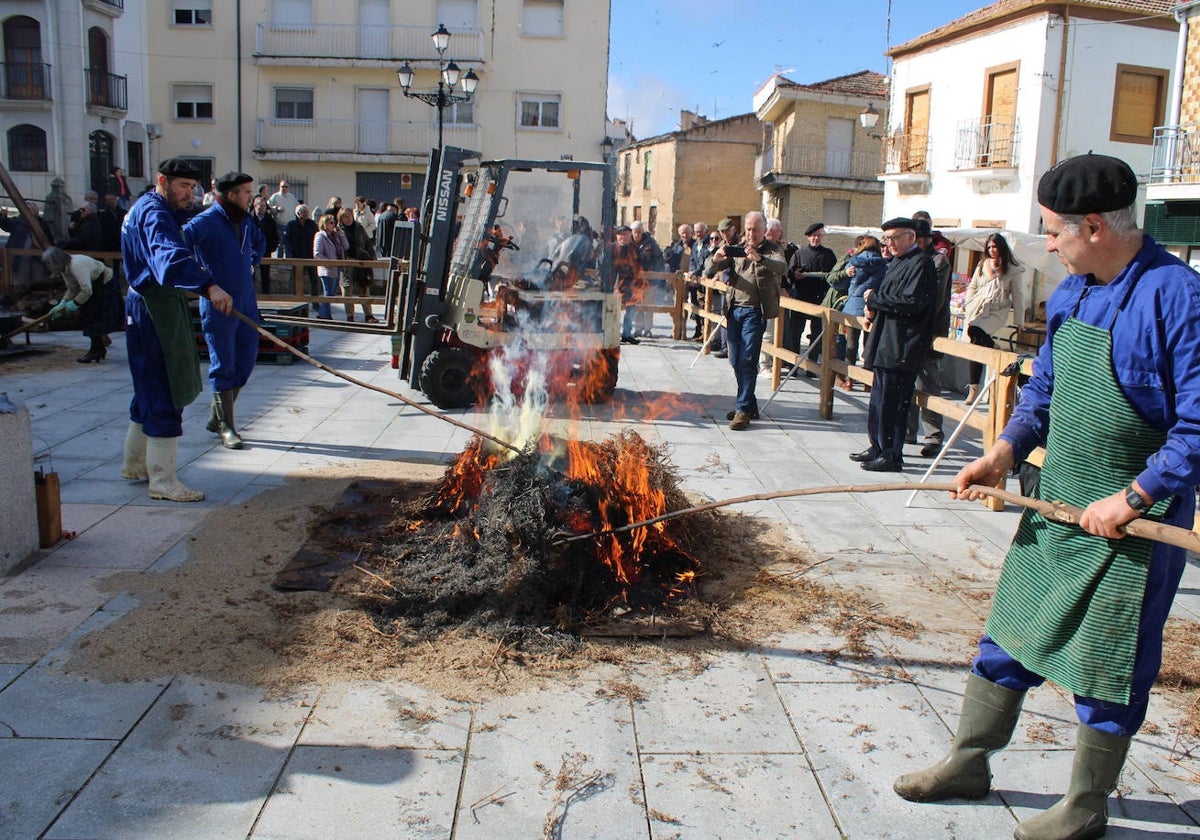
(484, 550)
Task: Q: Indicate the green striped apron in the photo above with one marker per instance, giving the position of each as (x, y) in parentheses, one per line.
(1068, 603)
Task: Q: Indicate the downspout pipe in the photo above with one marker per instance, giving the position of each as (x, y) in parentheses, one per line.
(1181, 17)
(238, 23)
(1062, 83)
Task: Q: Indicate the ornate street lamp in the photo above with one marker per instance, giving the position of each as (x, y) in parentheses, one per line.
(448, 76)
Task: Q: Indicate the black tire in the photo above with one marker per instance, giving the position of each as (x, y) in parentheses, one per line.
(598, 377)
(448, 377)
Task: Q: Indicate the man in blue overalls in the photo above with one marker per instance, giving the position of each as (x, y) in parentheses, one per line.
(228, 243)
(1115, 399)
(158, 328)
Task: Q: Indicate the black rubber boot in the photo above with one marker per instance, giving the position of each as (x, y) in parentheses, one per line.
(989, 716)
(223, 402)
(1083, 813)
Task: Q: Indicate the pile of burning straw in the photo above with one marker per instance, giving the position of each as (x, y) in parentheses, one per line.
(484, 550)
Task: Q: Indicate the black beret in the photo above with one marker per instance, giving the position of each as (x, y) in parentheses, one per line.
(231, 180)
(180, 168)
(899, 222)
(1088, 184)
(813, 228)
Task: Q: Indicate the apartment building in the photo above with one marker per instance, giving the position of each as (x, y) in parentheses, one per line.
(72, 103)
(307, 89)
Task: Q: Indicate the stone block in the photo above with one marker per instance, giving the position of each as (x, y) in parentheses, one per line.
(18, 505)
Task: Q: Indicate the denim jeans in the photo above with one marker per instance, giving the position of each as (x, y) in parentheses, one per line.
(745, 334)
(329, 288)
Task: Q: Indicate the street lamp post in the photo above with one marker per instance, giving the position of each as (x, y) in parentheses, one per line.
(448, 77)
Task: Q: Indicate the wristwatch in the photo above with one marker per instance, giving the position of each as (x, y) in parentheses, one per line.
(1135, 500)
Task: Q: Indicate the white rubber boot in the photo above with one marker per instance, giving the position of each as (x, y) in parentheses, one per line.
(134, 466)
(161, 454)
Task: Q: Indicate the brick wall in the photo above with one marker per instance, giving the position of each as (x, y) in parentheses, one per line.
(1190, 110)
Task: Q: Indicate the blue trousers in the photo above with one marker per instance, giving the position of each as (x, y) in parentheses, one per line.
(232, 346)
(745, 336)
(330, 287)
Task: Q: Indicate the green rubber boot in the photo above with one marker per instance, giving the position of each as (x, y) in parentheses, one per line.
(989, 716)
(1083, 813)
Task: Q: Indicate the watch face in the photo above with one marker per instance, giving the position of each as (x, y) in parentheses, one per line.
(1134, 499)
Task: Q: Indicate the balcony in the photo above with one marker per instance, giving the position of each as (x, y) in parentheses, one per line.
(337, 44)
(807, 166)
(112, 8)
(106, 92)
(986, 150)
(906, 158)
(357, 140)
(1175, 163)
(25, 82)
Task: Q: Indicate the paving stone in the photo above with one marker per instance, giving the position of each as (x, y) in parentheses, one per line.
(133, 537)
(565, 756)
(41, 776)
(8, 673)
(385, 715)
(42, 606)
(199, 764)
(728, 796)
(370, 792)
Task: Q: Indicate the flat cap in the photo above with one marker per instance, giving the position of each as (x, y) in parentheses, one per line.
(725, 224)
(813, 228)
(622, 229)
(180, 168)
(899, 222)
(1088, 184)
(231, 180)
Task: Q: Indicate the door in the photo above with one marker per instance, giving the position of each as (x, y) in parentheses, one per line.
(100, 152)
(839, 147)
(372, 110)
(98, 85)
(23, 59)
(374, 28)
(916, 132)
(998, 127)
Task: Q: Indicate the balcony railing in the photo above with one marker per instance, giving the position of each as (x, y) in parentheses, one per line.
(905, 153)
(983, 144)
(818, 162)
(362, 137)
(27, 81)
(349, 41)
(1175, 158)
(110, 7)
(106, 90)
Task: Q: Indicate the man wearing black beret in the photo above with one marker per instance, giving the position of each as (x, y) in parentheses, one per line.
(227, 241)
(1115, 399)
(158, 328)
(900, 316)
(802, 283)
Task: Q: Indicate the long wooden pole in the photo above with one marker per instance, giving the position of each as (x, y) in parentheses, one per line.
(1055, 511)
(35, 227)
(26, 327)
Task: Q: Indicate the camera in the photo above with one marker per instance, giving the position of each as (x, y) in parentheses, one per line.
(732, 251)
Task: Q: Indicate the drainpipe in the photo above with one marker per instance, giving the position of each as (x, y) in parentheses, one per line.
(1062, 84)
(238, 23)
(1181, 17)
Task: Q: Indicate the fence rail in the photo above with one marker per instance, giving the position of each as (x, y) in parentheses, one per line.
(26, 80)
(106, 90)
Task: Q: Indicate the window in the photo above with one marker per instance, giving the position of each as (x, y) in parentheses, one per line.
(457, 14)
(1138, 104)
(836, 211)
(460, 113)
(647, 169)
(135, 159)
(27, 149)
(539, 110)
(293, 103)
(192, 12)
(542, 18)
(296, 13)
(192, 102)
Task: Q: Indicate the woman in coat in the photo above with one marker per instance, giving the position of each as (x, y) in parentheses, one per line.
(988, 301)
(329, 244)
(92, 292)
(356, 282)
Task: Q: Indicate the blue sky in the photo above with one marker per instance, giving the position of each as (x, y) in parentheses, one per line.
(711, 57)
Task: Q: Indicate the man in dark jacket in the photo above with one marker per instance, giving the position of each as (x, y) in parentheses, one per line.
(299, 235)
(808, 259)
(385, 225)
(927, 378)
(261, 218)
(899, 321)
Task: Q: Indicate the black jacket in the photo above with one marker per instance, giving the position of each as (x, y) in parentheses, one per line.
(270, 230)
(300, 235)
(808, 260)
(903, 311)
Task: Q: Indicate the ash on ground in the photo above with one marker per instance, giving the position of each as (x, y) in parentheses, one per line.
(484, 551)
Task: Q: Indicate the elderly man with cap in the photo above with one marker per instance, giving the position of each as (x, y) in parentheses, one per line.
(229, 244)
(1115, 399)
(802, 283)
(899, 318)
(158, 327)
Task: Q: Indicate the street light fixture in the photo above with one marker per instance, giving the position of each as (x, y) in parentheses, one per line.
(449, 75)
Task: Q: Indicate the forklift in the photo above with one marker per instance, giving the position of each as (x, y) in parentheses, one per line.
(498, 281)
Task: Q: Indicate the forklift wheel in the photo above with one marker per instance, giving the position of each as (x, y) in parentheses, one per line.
(446, 378)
